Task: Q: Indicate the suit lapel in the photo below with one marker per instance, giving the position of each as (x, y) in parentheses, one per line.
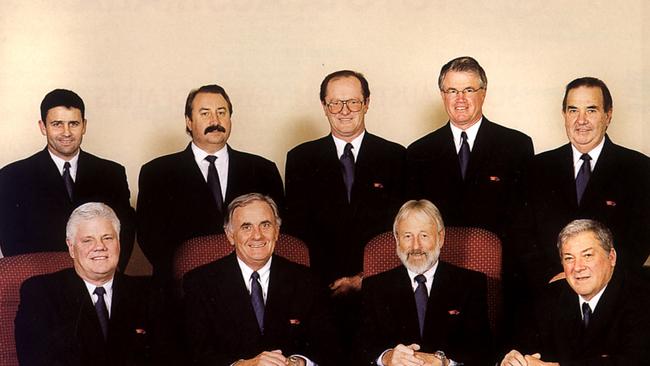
(331, 169)
(88, 332)
(437, 305)
(404, 303)
(603, 171)
(280, 289)
(51, 182)
(480, 149)
(239, 306)
(566, 176)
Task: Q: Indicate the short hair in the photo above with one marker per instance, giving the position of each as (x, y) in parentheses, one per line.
(590, 82)
(419, 206)
(463, 64)
(575, 227)
(213, 89)
(62, 98)
(89, 211)
(365, 89)
(247, 199)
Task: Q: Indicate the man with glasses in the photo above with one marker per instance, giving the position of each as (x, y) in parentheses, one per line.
(470, 167)
(343, 189)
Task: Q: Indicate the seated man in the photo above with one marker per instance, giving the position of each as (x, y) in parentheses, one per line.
(597, 316)
(254, 308)
(426, 312)
(89, 315)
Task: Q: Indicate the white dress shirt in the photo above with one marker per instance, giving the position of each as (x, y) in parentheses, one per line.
(356, 145)
(471, 134)
(221, 164)
(60, 162)
(108, 296)
(593, 154)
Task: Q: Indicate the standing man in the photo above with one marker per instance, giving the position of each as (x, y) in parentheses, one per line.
(590, 177)
(426, 312)
(38, 194)
(255, 308)
(470, 167)
(185, 195)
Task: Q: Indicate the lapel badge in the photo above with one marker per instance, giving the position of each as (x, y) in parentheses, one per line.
(453, 312)
(494, 178)
(378, 185)
(610, 203)
(294, 321)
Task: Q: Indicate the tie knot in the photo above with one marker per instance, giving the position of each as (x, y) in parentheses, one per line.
(463, 136)
(211, 158)
(66, 165)
(585, 308)
(585, 157)
(99, 291)
(347, 149)
(255, 276)
(420, 279)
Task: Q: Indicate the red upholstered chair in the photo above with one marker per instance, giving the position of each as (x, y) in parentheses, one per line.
(467, 247)
(13, 271)
(205, 249)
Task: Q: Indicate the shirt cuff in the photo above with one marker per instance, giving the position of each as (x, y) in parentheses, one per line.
(308, 362)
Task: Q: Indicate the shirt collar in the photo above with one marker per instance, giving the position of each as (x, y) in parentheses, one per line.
(471, 132)
(108, 286)
(356, 145)
(60, 162)
(594, 300)
(428, 274)
(593, 154)
(199, 155)
(246, 271)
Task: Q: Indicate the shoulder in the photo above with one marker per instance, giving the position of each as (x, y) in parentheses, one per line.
(166, 162)
(374, 141)
(625, 155)
(461, 275)
(241, 157)
(552, 156)
(430, 140)
(385, 281)
(310, 147)
(22, 166)
(46, 283)
(218, 268)
(97, 162)
(503, 132)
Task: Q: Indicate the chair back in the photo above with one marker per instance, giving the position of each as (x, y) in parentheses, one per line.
(13, 271)
(468, 247)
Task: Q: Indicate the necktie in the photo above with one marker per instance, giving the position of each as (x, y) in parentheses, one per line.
(67, 179)
(586, 314)
(347, 166)
(257, 300)
(102, 310)
(213, 182)
(583, 176)
(463, 154)
(421, 298)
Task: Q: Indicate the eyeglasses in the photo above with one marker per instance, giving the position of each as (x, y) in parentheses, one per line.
(336, 106)
(467, 91)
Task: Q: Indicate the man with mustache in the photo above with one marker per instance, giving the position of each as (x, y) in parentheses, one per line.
(426, 312)
(37, 194)
(184, 195)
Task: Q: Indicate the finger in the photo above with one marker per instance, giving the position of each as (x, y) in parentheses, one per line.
(536, 355)
(404, 349)
(414, 346)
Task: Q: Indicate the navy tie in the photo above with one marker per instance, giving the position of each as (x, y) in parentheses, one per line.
(583, 176)
(213, 182)
(257, 300)
(347, 166)
(102, 310)
(421, 298)
(67, 179)
(463, 154)
(586, 314)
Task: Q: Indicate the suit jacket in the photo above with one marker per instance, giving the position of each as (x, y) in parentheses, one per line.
(456, 320)
(34, 204)
(175, 202)
(318, 210)
(493, 174)
(618, 331)
(56, 323)
(616, 195)
(221, 324)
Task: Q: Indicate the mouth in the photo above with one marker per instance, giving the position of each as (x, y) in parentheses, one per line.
(417, 254)
(256, 245)
(99, 258)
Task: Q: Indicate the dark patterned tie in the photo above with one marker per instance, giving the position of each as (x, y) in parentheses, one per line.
(67, 179)
(102, 310)
(347, 166)
(213, 182)
(586, 314)
(421, 298)
(463, 154)
(257, 300)
(583, 176)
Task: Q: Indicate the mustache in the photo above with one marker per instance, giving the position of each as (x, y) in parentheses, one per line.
(213, 128)
(417, 252)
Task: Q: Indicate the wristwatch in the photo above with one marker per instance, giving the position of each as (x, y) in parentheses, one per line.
(442, 357)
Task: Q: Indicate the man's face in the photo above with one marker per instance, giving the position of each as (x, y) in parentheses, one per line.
(587, 266)
(345, 124)
(464, 109)
(585, 118)
(210, 123)
(418, 242)
(64, 129)
(95, 250)
(253, 231)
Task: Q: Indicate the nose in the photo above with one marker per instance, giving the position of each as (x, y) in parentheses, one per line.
(66, 129)
(582, 117)
(257, 233)
(345, 110)
(579, 265)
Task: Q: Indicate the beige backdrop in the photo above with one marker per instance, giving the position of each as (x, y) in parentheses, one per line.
(134, 62)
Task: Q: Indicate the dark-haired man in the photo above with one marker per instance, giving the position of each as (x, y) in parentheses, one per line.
(184, 195)
(38, 194)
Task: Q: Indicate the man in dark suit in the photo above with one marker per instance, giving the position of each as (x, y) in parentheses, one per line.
(38, 194)
(598, 315)
(470, 179)
(426, 312)
(184, 195)
(252, 307)
(590, 177)
(89, 315)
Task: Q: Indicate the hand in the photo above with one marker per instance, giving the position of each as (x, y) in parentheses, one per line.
(272, 358)
(514, 358)
(535, 360)
(559, 276)
(403, 355)
(345, 285)
(430, 359)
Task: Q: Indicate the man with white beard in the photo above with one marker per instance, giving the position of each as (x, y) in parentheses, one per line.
(426, 312)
